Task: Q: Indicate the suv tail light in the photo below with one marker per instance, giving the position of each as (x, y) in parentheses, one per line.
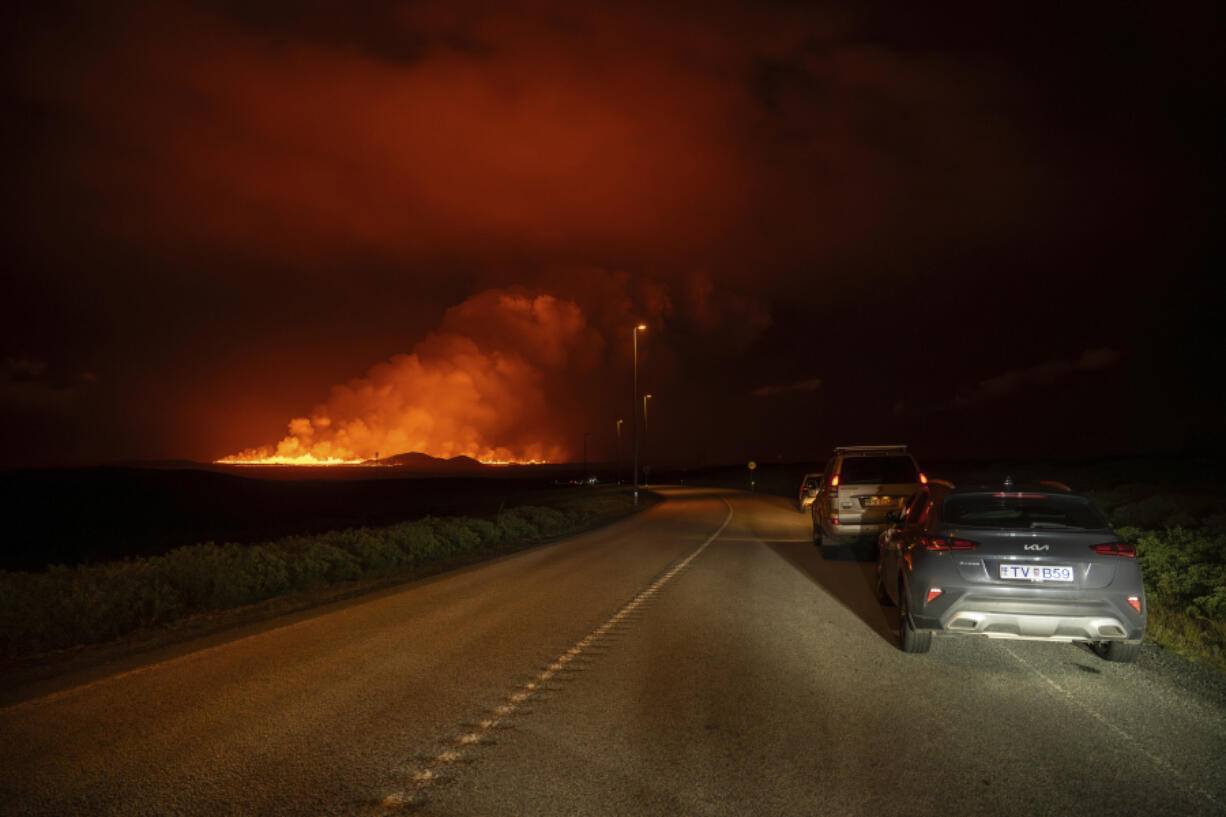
(833, 487)
(1116, 549)
(947, 543)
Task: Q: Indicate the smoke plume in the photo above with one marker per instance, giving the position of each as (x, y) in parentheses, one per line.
(478, 386)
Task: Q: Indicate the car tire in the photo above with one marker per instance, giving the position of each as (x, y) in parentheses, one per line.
(879, 589)
(910, 639)
(1122, 652)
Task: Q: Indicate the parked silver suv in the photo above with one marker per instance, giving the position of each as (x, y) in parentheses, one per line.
(862, 484)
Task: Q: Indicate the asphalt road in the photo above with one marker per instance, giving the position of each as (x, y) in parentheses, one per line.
(699, 659)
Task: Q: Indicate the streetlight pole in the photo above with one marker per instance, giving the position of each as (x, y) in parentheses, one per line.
(618, 475)
(586, 434)
(646, 467)
(635, 408)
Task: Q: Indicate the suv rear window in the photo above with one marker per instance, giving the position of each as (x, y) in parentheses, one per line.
(1022, 512)
(877, 470)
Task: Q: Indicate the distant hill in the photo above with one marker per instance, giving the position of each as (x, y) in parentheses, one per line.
(419, 462)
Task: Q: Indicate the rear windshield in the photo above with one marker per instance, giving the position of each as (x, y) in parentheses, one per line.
(877, 470)
(1021, 512)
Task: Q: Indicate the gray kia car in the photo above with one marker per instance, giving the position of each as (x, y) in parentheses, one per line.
(1029, 562)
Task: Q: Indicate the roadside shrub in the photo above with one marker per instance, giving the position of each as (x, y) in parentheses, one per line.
(548, 521)
(375, 550)
(1184, 570)
(67, 606)
(456, 532)
(330, 564)
(516, 527)
(417, 541)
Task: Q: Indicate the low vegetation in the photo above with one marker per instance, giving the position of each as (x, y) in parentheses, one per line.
(1180, 535)
(90, 603)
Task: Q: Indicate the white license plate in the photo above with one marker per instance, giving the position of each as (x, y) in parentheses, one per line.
(1037, 573)
(878, 501)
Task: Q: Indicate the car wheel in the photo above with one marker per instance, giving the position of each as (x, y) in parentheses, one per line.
(909, 638)
(1122, 652)
(879, 588)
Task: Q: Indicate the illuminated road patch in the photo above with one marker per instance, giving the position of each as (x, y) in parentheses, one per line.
(429, 775)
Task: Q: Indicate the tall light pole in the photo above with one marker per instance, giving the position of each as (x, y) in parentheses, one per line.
(618, 475)
(646, 467)
(586, 434)
(642, 327)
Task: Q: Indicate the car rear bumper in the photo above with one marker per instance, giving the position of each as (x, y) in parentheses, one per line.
(852, 532)
(1095, 619)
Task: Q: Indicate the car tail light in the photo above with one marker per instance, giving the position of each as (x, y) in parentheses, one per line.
(933, 592)
(832, 487)
(923, 479)
(1116, 549)
(1135, 603)
(947, 543)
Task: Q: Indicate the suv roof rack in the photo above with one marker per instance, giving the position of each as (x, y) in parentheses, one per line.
(870, 449)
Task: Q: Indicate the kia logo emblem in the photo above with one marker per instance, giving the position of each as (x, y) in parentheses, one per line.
(1037, 547)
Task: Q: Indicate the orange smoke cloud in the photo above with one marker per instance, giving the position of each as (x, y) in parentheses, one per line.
(479, 387)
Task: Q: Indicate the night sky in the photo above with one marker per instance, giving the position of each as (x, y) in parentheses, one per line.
(987, 230)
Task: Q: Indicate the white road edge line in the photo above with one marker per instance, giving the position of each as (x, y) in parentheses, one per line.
(1129, 739)
(426, 776)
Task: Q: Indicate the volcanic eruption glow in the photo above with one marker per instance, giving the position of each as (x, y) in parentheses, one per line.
(476, 387)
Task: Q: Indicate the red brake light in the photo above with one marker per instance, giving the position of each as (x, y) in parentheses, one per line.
(950, 543)
(1135, 603)
(933, 592)
(1002, 495)
(834, 481)
(1116, 549)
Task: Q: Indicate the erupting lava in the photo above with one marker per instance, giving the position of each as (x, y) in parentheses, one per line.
(477, 387)
(276, 459)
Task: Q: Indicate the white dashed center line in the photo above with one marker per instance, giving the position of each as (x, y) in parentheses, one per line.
(428, 775)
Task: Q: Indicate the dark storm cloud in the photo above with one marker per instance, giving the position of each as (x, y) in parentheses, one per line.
(799, 387)
(29, 385)
(445, 130)
(1041, 374)
(1036, 378)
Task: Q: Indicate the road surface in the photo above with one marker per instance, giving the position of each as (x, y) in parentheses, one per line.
(699, 658)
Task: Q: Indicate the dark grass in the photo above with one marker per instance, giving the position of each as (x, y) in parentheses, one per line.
(93, 515)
